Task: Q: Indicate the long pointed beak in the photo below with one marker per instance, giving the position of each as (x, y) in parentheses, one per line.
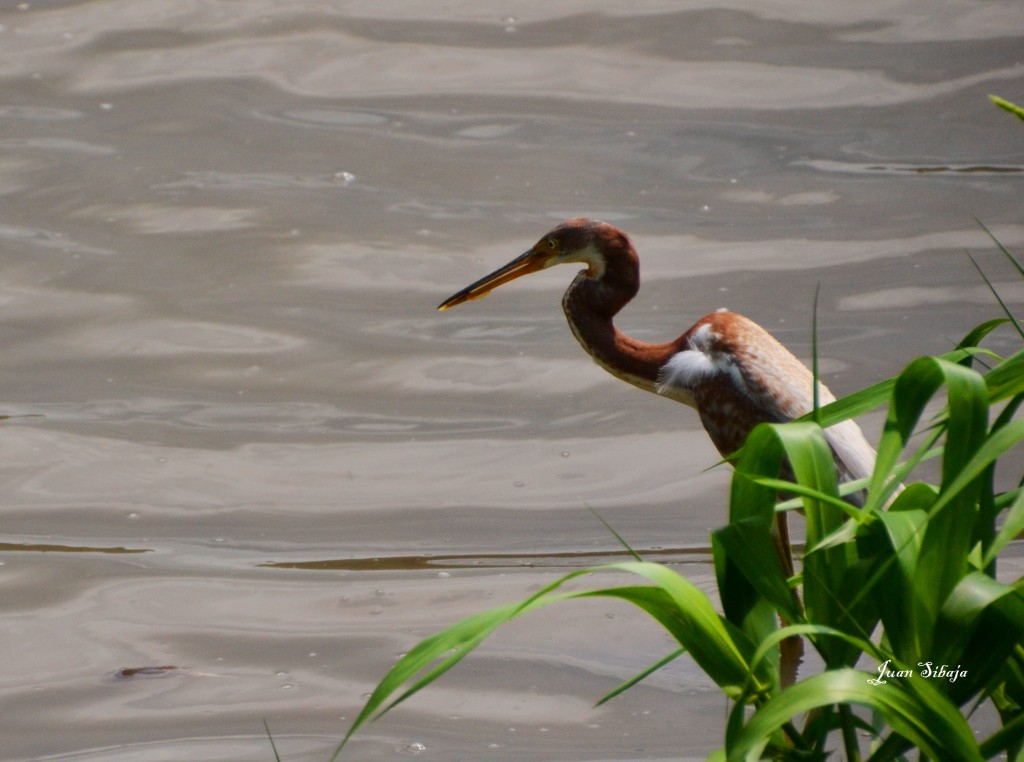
(527, 263)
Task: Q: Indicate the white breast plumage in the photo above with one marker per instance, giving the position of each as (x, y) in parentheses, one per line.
(687, 368)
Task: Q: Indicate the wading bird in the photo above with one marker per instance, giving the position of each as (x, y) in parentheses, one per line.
(731, 370)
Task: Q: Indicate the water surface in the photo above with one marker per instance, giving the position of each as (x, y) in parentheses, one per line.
(247, 464)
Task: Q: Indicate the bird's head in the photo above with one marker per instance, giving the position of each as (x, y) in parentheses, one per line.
(580, 241)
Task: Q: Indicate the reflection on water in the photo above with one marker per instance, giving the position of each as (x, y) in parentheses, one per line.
(225, 229)
(9, 547)
(570, 559)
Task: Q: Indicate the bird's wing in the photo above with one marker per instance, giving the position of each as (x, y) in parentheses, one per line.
(854, 455)
(736, 356)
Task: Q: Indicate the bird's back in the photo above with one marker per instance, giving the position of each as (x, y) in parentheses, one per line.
(739, 375)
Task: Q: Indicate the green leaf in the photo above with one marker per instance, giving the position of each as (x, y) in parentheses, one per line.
(920, 714)
(761, 456)
(996, 296)
(1006, 380)
(749, 546)
(1013, 108)
(812, 493)
(720, 649)
(906, 604)
(876, 395)
(626, 685)
(1013, 525)
(273, 746)
(999, 245)
(950, 531)
(855, 404)
(998, 444)
(435, 655)
(1010, 737)
(718, 646)
(979, 627)
(979, 332)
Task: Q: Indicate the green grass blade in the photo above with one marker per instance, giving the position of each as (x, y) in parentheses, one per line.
(438, 653)
(980, 625)
(914, 388)
(720, 648)
(680, 606)
(814, 632)
(273, 746)
(1012, 527)
(625, 686)
(998, 444)
(1009, 736)
(750, 504)
(950, 531)
(456, 641)
(979, 332)
(810, 457)
(995, 294)
(854, 404)
(616, 535)
(921, 715)
(1013, 108)
(761, 456)
(815, 375)
(743, 604)
(811, 493)
(749, 546)
(999, 245)
(1007, 380)
(908, 609)
(876, 395)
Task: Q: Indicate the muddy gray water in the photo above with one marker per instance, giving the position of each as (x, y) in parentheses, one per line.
(244, 445)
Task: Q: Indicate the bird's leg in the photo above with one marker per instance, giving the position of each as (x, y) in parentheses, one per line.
(791, 650)
(780, 536)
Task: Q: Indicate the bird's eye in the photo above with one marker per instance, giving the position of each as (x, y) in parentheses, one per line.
(552, 244)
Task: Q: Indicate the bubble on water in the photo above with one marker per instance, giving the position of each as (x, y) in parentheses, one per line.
(415, 747)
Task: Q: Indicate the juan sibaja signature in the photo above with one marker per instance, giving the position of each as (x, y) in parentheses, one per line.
(924, 669)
